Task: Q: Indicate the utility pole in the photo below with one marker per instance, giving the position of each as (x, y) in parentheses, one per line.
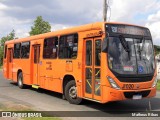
(105, 10)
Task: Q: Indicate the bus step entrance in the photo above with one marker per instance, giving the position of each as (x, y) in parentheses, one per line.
(35, 86)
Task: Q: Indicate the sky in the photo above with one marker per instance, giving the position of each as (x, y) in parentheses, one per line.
(20, 14)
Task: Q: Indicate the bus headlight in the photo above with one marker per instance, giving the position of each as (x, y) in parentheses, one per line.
(155, 81)
(113, 83)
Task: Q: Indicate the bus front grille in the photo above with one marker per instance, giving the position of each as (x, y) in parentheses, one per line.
(135, 79)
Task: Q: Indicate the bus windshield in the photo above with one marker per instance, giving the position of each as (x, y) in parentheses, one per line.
(139, 59)
(130, 50)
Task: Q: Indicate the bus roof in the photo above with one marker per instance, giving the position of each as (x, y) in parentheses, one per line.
(92, 26)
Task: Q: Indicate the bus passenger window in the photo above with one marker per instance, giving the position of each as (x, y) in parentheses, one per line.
(50, 48)
(89, 53)
(25, 49)
(17, 49)
(97, 52)
(68, 46)
(10, 55)
(5, 51)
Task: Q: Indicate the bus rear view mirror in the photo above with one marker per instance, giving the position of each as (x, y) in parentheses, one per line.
(104, 45)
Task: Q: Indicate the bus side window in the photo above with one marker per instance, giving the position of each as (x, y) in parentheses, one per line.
(17, 49)
(5, 51)
(25, 49)
(89, 53)
(98, 52)
(50, 48)
(68, 46)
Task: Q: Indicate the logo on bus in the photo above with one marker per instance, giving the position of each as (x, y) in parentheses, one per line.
(99, 33)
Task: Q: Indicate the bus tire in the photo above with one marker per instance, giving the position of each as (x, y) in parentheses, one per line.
(71, 93)
(20, 80)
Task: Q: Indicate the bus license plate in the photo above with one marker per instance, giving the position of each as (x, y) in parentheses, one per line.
(136, 97)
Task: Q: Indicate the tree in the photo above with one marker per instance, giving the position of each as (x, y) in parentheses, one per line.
(157, 49)
(40, 26)
(10, 36)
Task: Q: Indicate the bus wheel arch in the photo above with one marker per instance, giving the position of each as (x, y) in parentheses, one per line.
(70, 90)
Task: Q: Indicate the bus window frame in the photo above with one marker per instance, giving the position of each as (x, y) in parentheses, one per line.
(77, 35)
(14, 51)
(57, 47)
(29, 50)
(99, 53)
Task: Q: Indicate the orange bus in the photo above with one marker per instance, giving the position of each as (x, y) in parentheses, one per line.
(101, 62)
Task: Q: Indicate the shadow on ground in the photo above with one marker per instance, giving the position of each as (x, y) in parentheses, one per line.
(113, 108)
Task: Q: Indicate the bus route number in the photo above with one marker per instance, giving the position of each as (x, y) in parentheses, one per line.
(128, 86)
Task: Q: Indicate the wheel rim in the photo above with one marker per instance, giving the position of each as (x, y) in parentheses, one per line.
(20, 81)
(73, 92)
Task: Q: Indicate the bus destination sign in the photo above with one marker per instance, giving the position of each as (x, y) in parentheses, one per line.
(126, 29)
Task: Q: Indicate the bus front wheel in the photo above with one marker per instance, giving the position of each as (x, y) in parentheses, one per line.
(20, 80)
(71, 93)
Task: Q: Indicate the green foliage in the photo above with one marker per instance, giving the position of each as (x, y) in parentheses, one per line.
(40, 26)
(158, 85)
(10, 36)
(157, 49)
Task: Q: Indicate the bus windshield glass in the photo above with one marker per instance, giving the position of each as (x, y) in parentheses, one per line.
(132, 54)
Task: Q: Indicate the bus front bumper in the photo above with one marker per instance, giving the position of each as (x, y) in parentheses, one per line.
(110, 94)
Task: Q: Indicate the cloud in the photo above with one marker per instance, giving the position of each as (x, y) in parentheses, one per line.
(153, 23)
(60, 12)
(20, 14)
(127, 10)
(3, 7)
(59, 27)
(141, 12)
(7, 24)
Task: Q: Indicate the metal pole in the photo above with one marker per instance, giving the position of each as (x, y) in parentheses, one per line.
(105, 10)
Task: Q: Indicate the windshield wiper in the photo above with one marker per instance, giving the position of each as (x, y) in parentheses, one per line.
(125, 45)
(141, 48)
(142, 41)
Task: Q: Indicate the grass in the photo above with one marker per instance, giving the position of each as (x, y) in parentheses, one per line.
(0, 67)
(158, 85)
(10, 106)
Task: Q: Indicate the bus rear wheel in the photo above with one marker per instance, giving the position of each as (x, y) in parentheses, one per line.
(71, 93)
(20, 80)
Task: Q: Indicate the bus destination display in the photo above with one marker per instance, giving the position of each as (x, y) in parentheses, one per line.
(131, 30)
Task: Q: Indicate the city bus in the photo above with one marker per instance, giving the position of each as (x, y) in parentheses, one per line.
(101, 62)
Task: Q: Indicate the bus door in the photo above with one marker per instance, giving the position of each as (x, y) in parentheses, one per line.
(92, 68)
(36, 60)
(10, 63)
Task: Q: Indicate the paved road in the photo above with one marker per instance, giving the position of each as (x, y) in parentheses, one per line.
(50, 101)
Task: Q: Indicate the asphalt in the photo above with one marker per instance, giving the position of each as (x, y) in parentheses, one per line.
(44, 100)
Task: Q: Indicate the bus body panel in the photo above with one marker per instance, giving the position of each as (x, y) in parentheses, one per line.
(8, 62)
